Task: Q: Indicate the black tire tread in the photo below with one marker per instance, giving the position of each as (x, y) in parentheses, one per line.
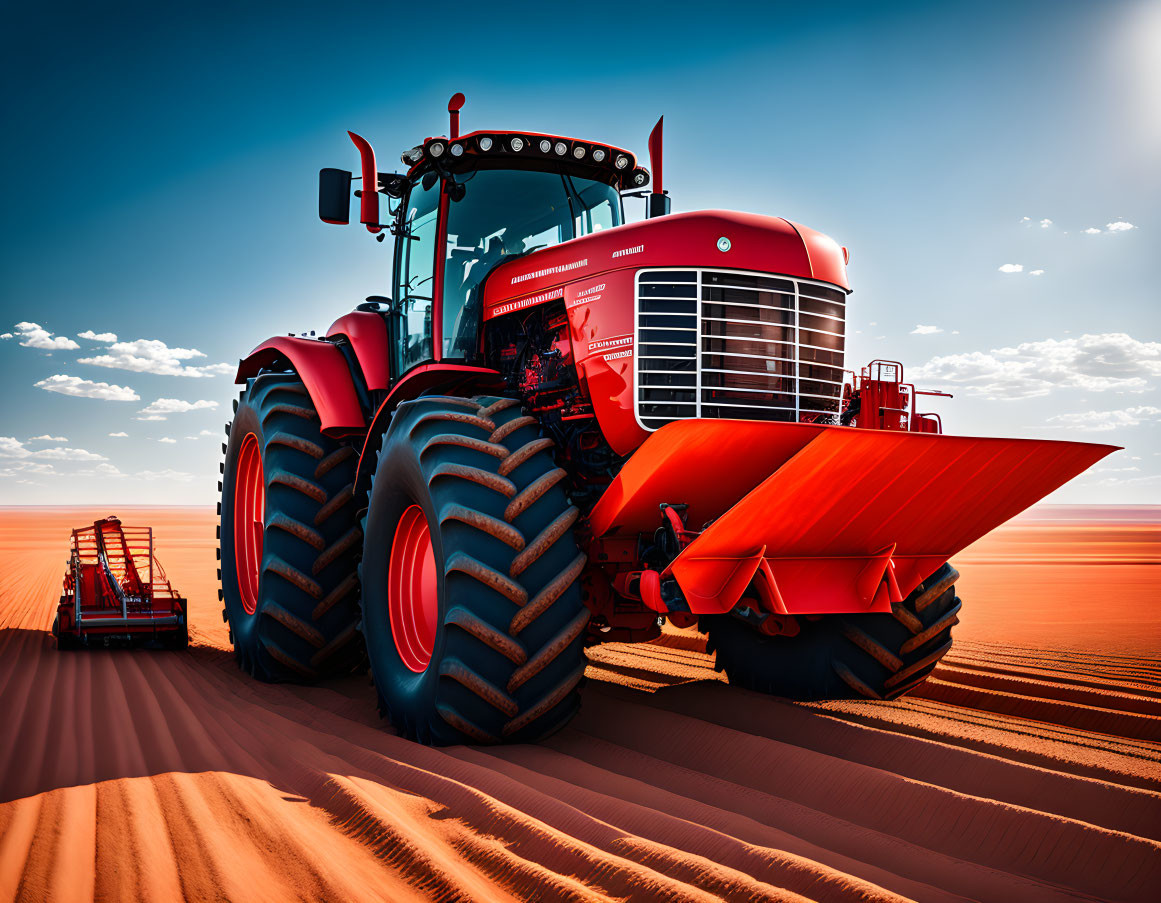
(863, 656)
(532, 676)
(306, 622)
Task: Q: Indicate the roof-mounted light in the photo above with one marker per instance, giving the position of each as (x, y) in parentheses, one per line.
(621, 162)
(436, 149)
(560, 148)
(516, 143)
(485, 144)
(599, 155)
(545, 145)
(579, 151)
(457, 150)
(413, 156)
(639, 178)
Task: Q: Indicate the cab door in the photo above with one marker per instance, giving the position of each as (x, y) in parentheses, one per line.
(415, 282)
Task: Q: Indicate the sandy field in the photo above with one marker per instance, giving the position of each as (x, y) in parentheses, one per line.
(1027, 769)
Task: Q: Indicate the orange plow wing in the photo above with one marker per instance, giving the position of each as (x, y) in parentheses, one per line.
(832, 519)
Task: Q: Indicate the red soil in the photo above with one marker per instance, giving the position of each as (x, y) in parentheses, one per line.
(1026, 769)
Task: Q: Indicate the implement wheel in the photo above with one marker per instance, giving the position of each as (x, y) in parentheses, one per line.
(472, 612)
(288, 537)
(872, 656)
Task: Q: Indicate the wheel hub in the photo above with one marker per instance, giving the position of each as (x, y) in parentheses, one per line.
(413, 590)
(249, 520)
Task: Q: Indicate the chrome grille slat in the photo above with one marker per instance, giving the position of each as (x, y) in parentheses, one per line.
(802, 321)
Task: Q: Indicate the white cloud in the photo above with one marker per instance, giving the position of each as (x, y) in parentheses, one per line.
(1103, 421)
(1130, 482)
(1036, 273)
(86, 388)
(1012, 268)
(1045, 223)
(11, 447)
(1092, 231)
(68, 454)
(925, 330)
(6, 335)
(207, 433)
(24, 468)
(1095, 363)
(168, 440)
(48, 438)
(163, 407)
(154, 356)
(33, 335)
(101, 470)
(174, 475)
(1120, 226)
(1025, 219)
(119, 435)
(97, 336)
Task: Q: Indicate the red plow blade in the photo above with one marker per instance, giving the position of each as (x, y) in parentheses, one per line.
(834, 519)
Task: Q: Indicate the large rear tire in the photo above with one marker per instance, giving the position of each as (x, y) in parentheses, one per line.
(472, 611)
(861, 656)
(289, 537)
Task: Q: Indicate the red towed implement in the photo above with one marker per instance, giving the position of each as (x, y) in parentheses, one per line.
(115, 591)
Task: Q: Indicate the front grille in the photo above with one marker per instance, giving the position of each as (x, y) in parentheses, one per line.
(747, 346)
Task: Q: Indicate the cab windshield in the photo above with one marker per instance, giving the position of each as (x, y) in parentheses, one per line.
(503, 214)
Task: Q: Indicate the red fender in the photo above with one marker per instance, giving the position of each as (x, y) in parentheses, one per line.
(367, 334)
(325, 374)
(417, 381)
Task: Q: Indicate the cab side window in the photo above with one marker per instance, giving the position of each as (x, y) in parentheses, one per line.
(417, 247)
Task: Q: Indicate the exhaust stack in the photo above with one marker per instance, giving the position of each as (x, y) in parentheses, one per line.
(453, 107)
(657, 204)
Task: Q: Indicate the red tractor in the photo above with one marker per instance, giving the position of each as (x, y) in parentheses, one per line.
(565, 429)
(115, 591)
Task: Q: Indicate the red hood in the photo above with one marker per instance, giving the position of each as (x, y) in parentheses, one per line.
(763, 243)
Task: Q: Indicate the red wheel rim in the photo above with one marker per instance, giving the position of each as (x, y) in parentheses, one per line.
(413, 590)
(249, 520)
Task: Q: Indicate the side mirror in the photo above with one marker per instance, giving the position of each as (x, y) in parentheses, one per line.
(334, 196)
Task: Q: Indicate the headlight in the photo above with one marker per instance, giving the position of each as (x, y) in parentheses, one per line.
(435, 149)
(486, 143)
(599, 155)
(621, 162)
(516, 144)
(578, 151)
(457, 150)
(545, 145)
(560, 147)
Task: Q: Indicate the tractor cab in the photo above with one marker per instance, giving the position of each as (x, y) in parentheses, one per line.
(467, 204)
(453, 230)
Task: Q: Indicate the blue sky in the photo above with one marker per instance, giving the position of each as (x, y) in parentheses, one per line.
(161, 166)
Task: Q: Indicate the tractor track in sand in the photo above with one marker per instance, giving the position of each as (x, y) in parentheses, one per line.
(1015, 773)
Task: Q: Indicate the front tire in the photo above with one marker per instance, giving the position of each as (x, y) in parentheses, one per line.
(288, 537)
(860, 656)
(472, 612)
